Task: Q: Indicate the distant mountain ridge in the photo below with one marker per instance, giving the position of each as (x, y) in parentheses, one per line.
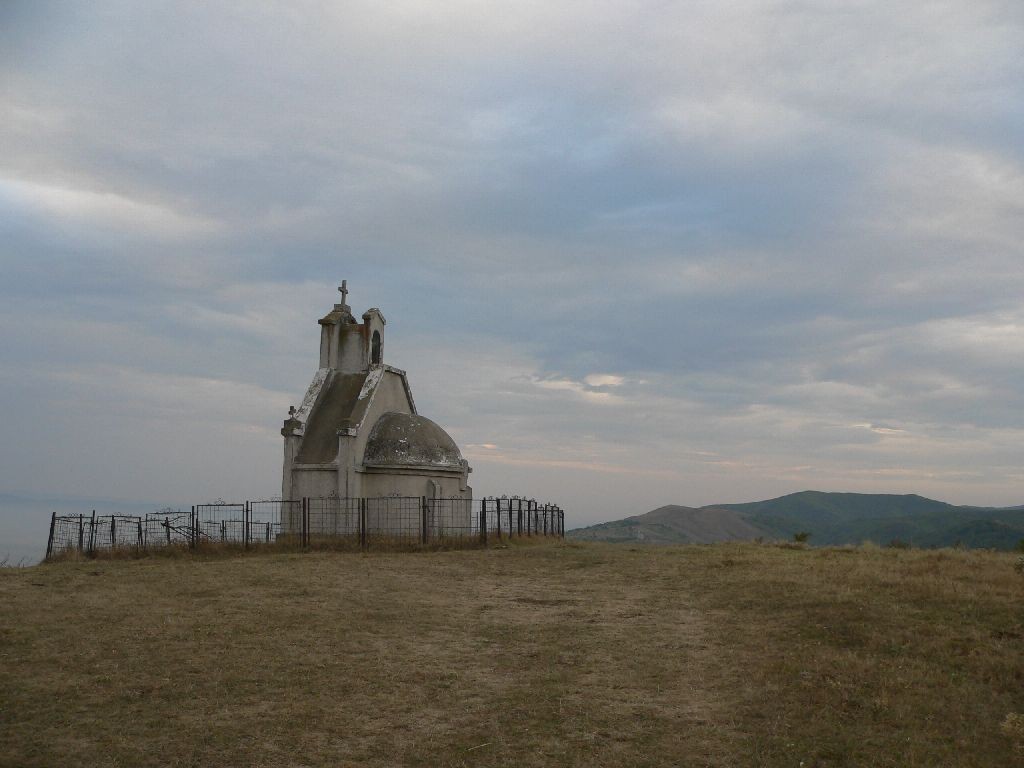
(830, 518)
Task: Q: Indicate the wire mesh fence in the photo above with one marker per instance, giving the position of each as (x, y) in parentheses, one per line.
(91, 533)
(220, 522)
(355, 523)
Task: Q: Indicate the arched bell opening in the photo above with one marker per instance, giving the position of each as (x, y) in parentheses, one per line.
(375, 349)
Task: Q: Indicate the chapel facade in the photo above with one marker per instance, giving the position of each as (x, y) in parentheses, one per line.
(357, 432)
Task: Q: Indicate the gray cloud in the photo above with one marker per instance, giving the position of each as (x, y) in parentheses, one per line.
(791, 230)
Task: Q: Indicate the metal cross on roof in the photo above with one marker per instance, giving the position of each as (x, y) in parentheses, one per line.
(344, 291)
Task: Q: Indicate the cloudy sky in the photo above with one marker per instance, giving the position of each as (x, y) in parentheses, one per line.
(630, 253)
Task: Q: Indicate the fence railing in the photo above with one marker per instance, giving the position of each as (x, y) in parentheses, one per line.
(357, 523)
(514, 516)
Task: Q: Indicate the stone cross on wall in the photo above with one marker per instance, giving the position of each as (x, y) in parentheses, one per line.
(343, 290)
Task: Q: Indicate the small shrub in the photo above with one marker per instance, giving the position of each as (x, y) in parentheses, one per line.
(898, 544)
(801, 537)
(1019, 566)
(1020, 545)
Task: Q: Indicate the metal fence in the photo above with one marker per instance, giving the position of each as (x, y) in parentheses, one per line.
(356, 523)
(514, 516)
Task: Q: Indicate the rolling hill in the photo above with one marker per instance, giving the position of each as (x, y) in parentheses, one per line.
(676, 525)
(830, 518)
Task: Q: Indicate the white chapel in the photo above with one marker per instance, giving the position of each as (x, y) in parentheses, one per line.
(357, 432)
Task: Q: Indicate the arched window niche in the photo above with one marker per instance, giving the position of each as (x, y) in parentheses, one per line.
(375, 349)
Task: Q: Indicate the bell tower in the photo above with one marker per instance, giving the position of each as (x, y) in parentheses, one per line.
(347, 346)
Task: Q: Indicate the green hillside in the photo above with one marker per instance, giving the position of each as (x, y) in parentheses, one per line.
(838, 507)
(676, 525)
(830, 518)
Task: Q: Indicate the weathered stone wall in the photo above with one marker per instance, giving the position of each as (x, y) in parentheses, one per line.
(353, 355)
(314, 481)
(410, 484)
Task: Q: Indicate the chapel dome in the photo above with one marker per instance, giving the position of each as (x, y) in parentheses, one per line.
(405, 439)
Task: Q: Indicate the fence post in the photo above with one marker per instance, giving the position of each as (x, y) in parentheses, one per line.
(113, 533)
(245, 525)
(142, 543)
(81, 531)
(92, 533)
(193, 526)
(304, 524)
(167, 527)
(497, 514)
(362, 524)
(423, 519)
(483, 521)
(49, 541)
(519, 518)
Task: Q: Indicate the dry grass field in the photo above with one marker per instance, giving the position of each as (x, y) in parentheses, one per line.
(551, 654)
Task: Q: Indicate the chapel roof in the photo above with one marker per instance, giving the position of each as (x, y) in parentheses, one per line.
(403, 439)
(340, 314)
(334, 411)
